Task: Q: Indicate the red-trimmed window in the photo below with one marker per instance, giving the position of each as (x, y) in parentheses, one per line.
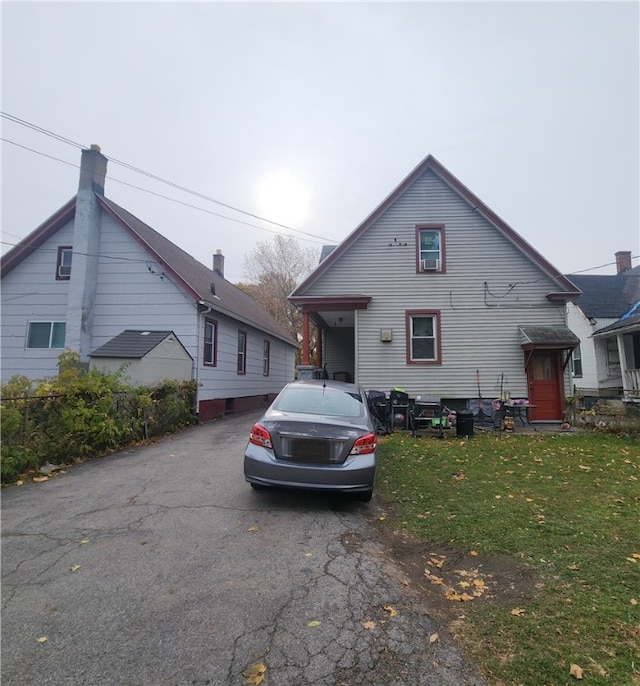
(423, 337)
(210, 350)
(266, 357)
(63, 263)
(430, 253)
(242, 352)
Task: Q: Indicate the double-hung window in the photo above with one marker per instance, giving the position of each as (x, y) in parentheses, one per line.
(423, 337)
(46, 334)
(430, 248)
(266, 357)
(242, 352)
(210, 350)
(63, 263)
(576, 362)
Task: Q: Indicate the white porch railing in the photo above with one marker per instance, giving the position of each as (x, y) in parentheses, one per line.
(632, 383)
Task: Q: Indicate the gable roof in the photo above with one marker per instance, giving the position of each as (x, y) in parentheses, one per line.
(567, 289)
(133, 343)
(202, 284)
(606, 295)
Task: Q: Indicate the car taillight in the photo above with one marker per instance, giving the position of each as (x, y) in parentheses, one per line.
(365, 444)
(260, 436)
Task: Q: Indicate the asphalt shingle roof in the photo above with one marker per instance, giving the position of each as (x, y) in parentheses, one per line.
(553, 336)
(131, 343)
(607, 296)
(200, 280)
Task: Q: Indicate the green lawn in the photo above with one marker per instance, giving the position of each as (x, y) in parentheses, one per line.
(566, 508)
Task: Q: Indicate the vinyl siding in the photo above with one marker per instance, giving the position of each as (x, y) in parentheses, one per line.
(490, 288)
(132, 292)
(32, 293)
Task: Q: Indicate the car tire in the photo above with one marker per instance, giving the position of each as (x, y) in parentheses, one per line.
(364, 496)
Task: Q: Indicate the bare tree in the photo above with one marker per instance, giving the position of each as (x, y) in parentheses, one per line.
(273, 269)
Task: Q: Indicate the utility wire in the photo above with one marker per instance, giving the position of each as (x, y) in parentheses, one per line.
(155, 177)
(165, 197)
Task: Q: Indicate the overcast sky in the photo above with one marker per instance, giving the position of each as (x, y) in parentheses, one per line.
(533, 106)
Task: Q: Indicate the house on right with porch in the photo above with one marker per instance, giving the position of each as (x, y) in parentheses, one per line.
(606, 319)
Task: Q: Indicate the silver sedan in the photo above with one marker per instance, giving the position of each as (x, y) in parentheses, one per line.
(317, 434)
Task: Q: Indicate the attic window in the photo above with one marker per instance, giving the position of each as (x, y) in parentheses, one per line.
(63, 263)
(430, 248)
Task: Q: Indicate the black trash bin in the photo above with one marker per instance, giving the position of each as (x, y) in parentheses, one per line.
(464, 424)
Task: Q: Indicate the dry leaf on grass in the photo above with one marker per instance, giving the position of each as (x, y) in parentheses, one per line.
(575, 671)
(517, 611)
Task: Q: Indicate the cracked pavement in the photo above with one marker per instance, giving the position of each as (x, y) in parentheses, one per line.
(182, 575)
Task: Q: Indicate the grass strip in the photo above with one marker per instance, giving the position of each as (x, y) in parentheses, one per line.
(567, 508)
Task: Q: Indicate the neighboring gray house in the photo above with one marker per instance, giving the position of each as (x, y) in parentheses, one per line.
(94, 270)
(436, 294)
(607, 363)
(144, 357)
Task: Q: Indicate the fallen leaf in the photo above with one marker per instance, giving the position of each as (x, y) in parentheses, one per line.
(255, 674)
(464, 584)
(382, 518)
(433, 638)
(632, 559)
(314, 622)
(253, 528)
(74, 568)
(473, 552)
(38, 479)
(517, 611)
(437, 562)
(633, 601)
(369, 625)
(20, 482)
(42, 639)
(392, 612)
(84, 541)
(636, 555)
(575, 671)
(308, 554)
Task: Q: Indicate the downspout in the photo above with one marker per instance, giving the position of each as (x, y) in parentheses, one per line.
(196, 374)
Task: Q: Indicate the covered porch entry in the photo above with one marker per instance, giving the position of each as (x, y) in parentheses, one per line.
(547, 351)
(328, 335)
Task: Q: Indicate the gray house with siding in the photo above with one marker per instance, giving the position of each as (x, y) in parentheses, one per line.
(93, 270)
(434, 293)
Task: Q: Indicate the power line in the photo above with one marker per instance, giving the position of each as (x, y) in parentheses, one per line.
(155, 177)
(160, 195)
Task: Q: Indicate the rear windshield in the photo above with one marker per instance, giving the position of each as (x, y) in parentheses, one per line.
(318, 400)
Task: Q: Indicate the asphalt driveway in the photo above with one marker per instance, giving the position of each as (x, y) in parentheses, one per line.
(160, 566)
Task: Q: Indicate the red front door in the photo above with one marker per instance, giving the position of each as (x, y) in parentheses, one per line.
(544, 375)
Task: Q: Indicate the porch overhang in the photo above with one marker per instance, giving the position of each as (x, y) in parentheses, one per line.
(547, 338)
(344, 303)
